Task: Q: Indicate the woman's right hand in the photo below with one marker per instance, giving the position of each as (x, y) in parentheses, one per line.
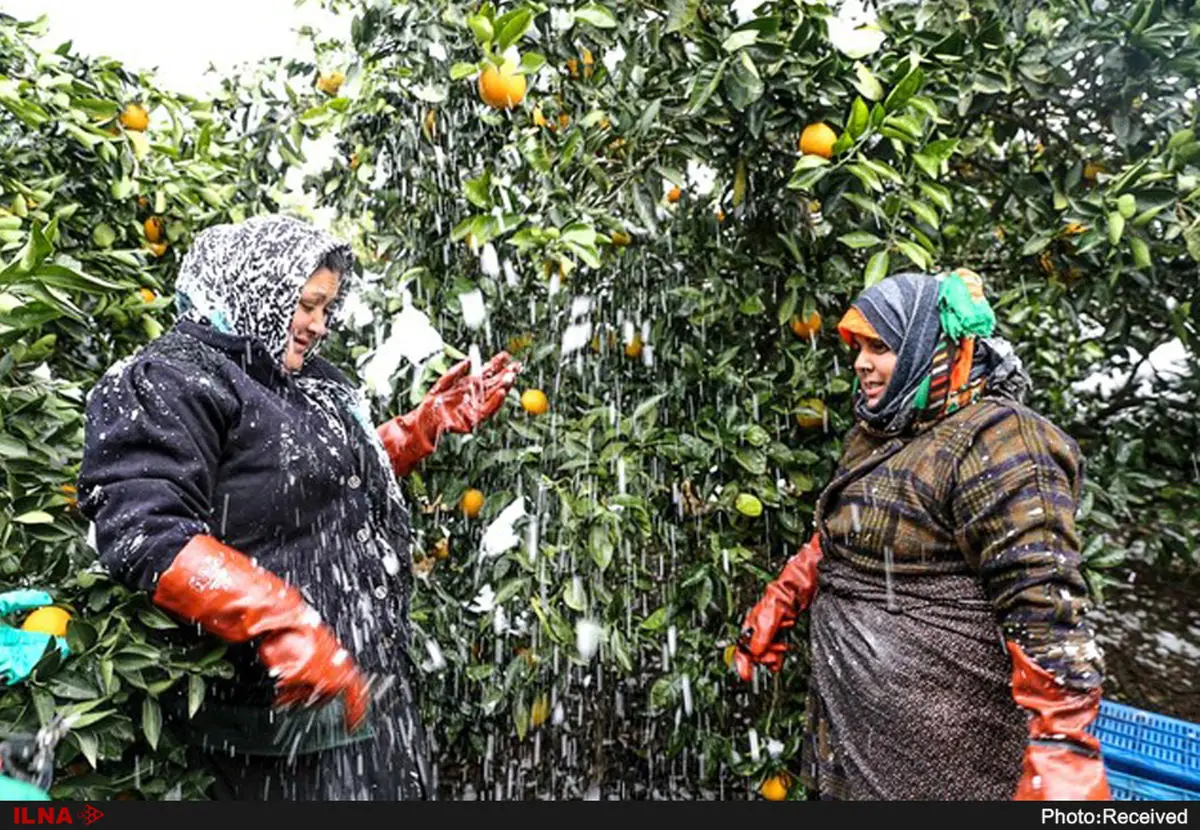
(792, 592)
(230, 596)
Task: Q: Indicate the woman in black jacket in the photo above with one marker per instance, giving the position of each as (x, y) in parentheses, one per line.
(236, 476)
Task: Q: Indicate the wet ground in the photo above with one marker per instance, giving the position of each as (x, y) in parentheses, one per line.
(1149, 628)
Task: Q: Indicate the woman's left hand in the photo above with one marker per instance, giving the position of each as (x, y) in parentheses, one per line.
(460, 401)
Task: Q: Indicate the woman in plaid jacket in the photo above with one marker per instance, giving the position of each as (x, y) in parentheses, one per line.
(950, 654)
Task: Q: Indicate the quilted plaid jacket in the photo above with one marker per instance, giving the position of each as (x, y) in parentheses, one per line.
(990, 491)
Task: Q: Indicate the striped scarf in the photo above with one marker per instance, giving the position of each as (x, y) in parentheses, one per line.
(940, 328)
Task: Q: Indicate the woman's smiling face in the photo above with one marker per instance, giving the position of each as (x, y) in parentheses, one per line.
(874, 366)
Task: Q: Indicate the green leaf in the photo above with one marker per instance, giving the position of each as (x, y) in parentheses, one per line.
(34, 517)
(739, 40)
(756, 436)
(478, 191)
(748, 505)
(657, 621)
(574, 596)
(918, 255)
(877, 268)
(463, 70)
(1036, 244)
(153, 618)
(860, 239)
(1127, 205)
(866, 82)
(1116, 227)
(512, 26)
(482, 28)
(904, 90)
(196, 689)
(600, 544)
(865, 175)
(89, 745)
(859, 118)
(596, 15)
(151, 721)
(1141, 252)
(938, 195)
(788, 307)
(923, 212)
(752, 461)
(531, 62)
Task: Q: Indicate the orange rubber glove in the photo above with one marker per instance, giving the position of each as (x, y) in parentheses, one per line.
(1062, 761)
(792, 592)
(224, 592)
(458, 402)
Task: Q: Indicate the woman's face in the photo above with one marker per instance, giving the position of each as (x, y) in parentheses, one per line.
(308, 324)
(874, 366)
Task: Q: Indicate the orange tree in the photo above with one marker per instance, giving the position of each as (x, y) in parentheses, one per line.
(659, 231)
(103, 179)
(643, 229)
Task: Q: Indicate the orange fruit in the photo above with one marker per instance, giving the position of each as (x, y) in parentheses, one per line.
(1074, 228)
(720, 216)
(147, 295)
(1046, 262)
(634, 347)
(48, 620)
(134, 117)
(441, 550)
(1091, 170)
(818, 140)
(535, 402)
(157, 248)
(673, 194)
(564, 120)
(519, 343)
(573, 68)
(501, 87)
(471, 503)
(68, 489)
(776, 787)
(331, 83)
(806, 327)
(811, 414)
(153, 227)
(354, 161)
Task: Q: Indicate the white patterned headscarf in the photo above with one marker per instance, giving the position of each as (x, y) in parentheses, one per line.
(245, 279)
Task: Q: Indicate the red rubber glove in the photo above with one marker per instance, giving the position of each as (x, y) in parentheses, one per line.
(792, 592)
(228, 595)
(1062, 761)
(458, 402)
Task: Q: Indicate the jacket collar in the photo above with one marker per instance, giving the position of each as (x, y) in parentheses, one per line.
(253, 357)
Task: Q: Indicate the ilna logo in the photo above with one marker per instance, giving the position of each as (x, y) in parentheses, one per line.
(55, 815)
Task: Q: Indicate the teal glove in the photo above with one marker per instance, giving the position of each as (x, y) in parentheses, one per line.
(13, 790)
(21, 650)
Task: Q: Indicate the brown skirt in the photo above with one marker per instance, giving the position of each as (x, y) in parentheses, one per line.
(910, 695)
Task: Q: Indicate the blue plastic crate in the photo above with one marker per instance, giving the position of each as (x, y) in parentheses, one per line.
(1151, 748)
(1131, 788)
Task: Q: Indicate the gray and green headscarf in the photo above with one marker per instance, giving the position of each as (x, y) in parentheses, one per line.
(941, 329)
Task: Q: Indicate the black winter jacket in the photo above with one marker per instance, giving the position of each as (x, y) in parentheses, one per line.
(200, 434)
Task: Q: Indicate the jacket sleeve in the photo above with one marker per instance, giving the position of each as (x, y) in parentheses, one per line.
(1014, 508)
(152, 445)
